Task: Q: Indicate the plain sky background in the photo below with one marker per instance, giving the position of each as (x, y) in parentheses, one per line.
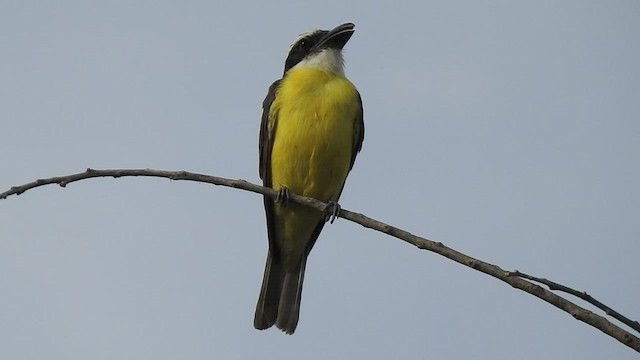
(507, 130)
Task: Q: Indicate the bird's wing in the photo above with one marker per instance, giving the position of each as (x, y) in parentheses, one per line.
(265, 144)
(358, 133)
(267, 131)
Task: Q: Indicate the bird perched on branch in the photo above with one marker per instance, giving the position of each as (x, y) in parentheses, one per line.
(311, 131)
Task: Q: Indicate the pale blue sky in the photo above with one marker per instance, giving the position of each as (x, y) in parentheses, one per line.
(507, 130)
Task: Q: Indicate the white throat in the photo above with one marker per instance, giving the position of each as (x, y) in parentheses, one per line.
(328, 60)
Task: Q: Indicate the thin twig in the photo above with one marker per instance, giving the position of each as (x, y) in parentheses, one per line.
(576, 311)
(582, 295)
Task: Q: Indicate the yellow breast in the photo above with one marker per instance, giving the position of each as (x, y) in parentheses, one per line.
(315, 113)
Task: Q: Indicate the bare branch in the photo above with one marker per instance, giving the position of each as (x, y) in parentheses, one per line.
(582, 295)
(515, 279)
(116, 173)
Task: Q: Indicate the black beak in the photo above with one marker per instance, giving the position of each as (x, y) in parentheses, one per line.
(337, 37)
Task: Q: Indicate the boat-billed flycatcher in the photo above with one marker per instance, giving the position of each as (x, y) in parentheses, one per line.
(312, 129)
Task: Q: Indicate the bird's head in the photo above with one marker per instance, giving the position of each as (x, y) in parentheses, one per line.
(321, 49)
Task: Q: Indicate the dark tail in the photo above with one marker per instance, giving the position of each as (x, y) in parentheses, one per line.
(280, 295)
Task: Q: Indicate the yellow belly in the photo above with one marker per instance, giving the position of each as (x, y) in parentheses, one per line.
(312, 147)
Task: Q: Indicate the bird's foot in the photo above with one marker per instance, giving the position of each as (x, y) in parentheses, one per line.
(332, 211)
(283, 196)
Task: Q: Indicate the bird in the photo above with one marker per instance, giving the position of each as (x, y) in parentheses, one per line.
(311, 131)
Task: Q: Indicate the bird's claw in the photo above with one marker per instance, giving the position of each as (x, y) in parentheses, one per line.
(332, 211)
(283, 196)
